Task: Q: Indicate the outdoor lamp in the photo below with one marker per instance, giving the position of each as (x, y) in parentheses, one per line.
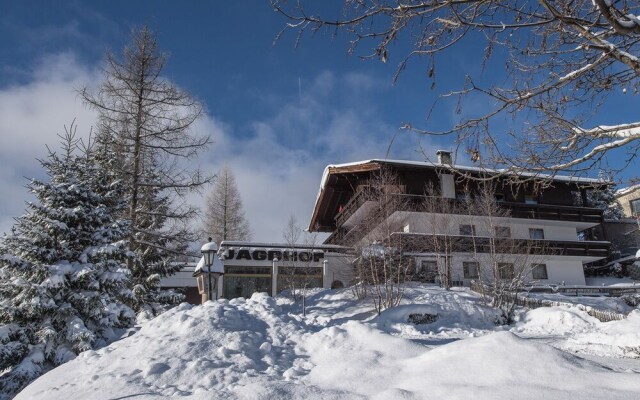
(208, 256)
(208, 251)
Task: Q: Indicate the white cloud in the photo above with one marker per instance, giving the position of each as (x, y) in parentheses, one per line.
(278, 169)
(278, 163)
(31, 116)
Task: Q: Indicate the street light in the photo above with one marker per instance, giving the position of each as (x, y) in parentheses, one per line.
(274, 277)
(209, 251)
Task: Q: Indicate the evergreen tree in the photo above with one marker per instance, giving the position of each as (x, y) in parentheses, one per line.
(605, 199)
(224, 216)
(154, 252)
(145, 120)
(63, 273)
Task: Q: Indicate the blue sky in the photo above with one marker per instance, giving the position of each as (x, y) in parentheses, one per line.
(277, 114)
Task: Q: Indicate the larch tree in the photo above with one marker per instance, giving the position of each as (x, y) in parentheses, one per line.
(64, 280)
(286, 267)
(224, 215)
(566, 64)
(146, 121)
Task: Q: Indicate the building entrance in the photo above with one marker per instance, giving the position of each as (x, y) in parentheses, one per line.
(243, 281)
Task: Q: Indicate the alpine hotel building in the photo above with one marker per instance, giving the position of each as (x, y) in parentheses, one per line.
(553, 222)
(555, 219)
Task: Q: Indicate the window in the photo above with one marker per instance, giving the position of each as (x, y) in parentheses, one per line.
(503, 231)
(536, 233)
(428, 271)
(470, 270)
(539, 271)
(529, 199)
(500, 198)
(635, 206)
(467, 230)
(505, 270)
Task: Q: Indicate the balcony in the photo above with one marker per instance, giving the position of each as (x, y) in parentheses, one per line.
(585, 215)
(427, 243)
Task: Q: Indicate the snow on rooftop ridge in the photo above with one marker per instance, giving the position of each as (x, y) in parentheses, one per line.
(325, 174)
(564, 178)
(627, 190)
(216, 267)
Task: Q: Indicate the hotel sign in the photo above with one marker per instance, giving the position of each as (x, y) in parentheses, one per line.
(261, 254)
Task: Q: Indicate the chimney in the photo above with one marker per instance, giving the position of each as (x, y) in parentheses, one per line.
(444, 157)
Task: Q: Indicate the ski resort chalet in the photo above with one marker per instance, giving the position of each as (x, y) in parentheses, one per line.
(556, 231)
(553, 220)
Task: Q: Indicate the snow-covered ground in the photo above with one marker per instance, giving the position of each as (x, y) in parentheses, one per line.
(610, 281)
(264, 348)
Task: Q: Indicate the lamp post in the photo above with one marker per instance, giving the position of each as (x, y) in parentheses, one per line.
(208, 251)
(274, 277)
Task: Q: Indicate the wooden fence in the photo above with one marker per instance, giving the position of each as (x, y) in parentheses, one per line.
(602, 315)
(613, 291)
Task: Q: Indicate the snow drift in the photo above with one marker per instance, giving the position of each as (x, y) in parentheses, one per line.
(254, 350)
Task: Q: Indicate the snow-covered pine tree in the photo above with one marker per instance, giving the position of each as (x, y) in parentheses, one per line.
(64, 281)
(155, 249)
(605, 199)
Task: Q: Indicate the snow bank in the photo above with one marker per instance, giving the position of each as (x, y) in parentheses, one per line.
(253, 349)
(218, 350)
(455, 314)
(616, 338)
(604, 303)
(554, 321)
(503, 366)
(361, 361)
(582, 333)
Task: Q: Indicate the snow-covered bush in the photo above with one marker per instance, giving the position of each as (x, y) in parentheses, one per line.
(632, 300)
(605, 199)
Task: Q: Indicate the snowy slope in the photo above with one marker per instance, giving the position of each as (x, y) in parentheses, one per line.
(258, 349)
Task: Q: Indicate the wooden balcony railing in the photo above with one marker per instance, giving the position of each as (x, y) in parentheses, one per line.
(426, 243)
(515, 210)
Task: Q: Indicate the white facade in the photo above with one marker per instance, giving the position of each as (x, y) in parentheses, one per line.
(549, 268)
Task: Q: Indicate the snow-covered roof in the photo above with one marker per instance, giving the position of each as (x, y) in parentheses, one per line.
(209, 246)
(461, 168)
(216, 267)
(627, 190)
(560, 178)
